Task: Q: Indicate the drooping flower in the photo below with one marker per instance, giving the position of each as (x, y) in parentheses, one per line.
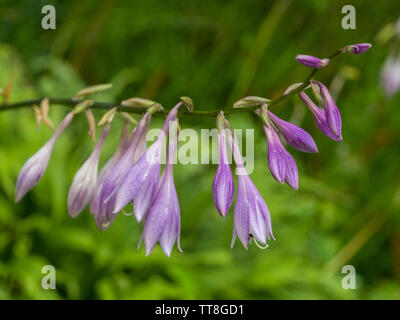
(251, 215)
(121, 148)
(141, 181)
(83, 186)
(223, 186)
(332, 112)
(281, 164)
(162, 222)
(34, 168)
(390, 75)
(319, 117)
(104, 215)
(298, 138)
(311, 61)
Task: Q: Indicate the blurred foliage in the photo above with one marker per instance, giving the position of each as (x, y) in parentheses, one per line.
(347, 208)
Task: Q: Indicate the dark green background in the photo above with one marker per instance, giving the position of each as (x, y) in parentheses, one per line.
(345, 212)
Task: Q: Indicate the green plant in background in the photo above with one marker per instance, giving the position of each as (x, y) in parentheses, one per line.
(345, 212)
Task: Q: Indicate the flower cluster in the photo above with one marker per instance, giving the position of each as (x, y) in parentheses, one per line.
(133, 173)
(251, 215)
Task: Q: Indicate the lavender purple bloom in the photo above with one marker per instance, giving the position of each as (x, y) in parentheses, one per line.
(162, 222)
(121, 148)
(141, 181)
(251, 215)
(281, 164)
(84, 183)
(293, 135)
(223, 186)
(332, 112)
(358, 48)
(105, 215)
(311, 61)
(36, 165)
(319, 117)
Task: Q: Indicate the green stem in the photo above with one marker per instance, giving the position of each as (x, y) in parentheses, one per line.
(211, 113)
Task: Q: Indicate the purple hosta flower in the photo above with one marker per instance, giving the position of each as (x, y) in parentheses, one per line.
(390, 75)
(34, 168)
(140, 183)
(251, 215)
(84, 184)
(223, 186)
(104, 215)
(122, 147)
(163, 221)
(319, 117)
(295, 136)
(331, 110)
(358, 48)
(311, 61)
(281, 164)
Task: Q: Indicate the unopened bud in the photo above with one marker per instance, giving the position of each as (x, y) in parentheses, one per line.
(311, 61)
(137, 102)
(93, 89)
(250, 101)
(92, 124)
(82, 106)
(108, 116)
(188, 103)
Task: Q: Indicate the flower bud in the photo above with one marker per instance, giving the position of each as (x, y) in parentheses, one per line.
(319, 117)
(311, 61)
(357, 48)
(332, 112)
(293, 135)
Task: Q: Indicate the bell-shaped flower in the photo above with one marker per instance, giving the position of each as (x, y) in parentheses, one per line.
(223, 186)
(34, 168)
(83, 186)
(298, 138)
(251, 215)
(319, 117)
(104, 216)
(281, 164)
(162, 222)
(332, 112)
(311, 61)
(140, 183)
(121, 148)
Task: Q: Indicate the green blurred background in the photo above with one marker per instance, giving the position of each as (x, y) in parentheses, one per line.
(345, 212)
